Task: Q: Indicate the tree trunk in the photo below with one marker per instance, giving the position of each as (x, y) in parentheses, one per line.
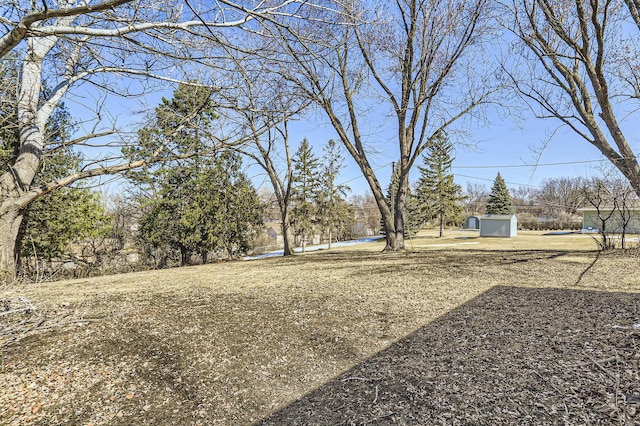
(329, 245)
(389, 226)
(10, 220)
(399, 227)
(18, 179)
(401, 206)
(164, 258)
(286, 233)
(184, 256)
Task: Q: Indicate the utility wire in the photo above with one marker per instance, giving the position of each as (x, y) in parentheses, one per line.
(506, 166)
(491, 180)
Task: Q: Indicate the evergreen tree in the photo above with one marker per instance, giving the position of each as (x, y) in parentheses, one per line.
(200, 210)
(438, 196)
(162, 227)
(194, 136)
(332, 209)
(55, 221)
(414, 220)
(499, 201)
(305, 194)
(240, 212)
(200, 203)
(390, 196)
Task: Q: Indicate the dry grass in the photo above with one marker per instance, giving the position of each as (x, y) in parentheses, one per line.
(470, 240)
(234, 343)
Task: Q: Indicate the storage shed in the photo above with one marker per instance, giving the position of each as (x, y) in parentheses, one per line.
(499, 225)
(472, 222)
(614, 220)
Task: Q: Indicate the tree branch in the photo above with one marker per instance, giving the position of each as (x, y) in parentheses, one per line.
(21, 30)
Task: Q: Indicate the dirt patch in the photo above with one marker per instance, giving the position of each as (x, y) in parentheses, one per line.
(447, 333)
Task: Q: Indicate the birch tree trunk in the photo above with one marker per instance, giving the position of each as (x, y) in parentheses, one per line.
(10, 220)
(111, 43)
(15, 184)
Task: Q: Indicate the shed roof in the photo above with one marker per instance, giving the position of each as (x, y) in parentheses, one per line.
(497, 216)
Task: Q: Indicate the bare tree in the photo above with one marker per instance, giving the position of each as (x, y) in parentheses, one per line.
(561, 195)
(67, 47)
(476, 195)
(367, 215)
(577, 62)
(416, 64)
(523, 198)
(263, 151)
(612, 198)
(258, 102)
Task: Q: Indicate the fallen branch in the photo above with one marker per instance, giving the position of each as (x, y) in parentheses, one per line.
(600, 366)
(588, 267)
(23, 302)
(602, 361)
(13, 311)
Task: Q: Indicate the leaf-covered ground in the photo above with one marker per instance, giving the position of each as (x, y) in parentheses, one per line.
(432, 337)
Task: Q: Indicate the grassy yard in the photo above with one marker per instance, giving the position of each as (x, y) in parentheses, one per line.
(534, 329)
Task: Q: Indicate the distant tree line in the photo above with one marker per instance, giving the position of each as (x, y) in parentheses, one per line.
(555, 202)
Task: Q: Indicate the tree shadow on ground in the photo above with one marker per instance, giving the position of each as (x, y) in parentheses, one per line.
(510, 356)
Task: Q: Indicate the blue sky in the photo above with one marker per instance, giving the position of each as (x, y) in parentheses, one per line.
(500, 146)
(513, 151)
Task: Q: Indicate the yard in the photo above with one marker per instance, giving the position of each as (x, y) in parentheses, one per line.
(460, 330)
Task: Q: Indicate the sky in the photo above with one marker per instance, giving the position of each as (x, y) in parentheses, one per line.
(513, 149)
(497, 146)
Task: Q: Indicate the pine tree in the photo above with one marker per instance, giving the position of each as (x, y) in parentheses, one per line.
(414, 220)
(439, 197)
(172, 219)
(332, 209)
(172, 114)
(239, 201)
(305, 194)
(499, 201)
(196, 211)
(197, 204)
(390, 196)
